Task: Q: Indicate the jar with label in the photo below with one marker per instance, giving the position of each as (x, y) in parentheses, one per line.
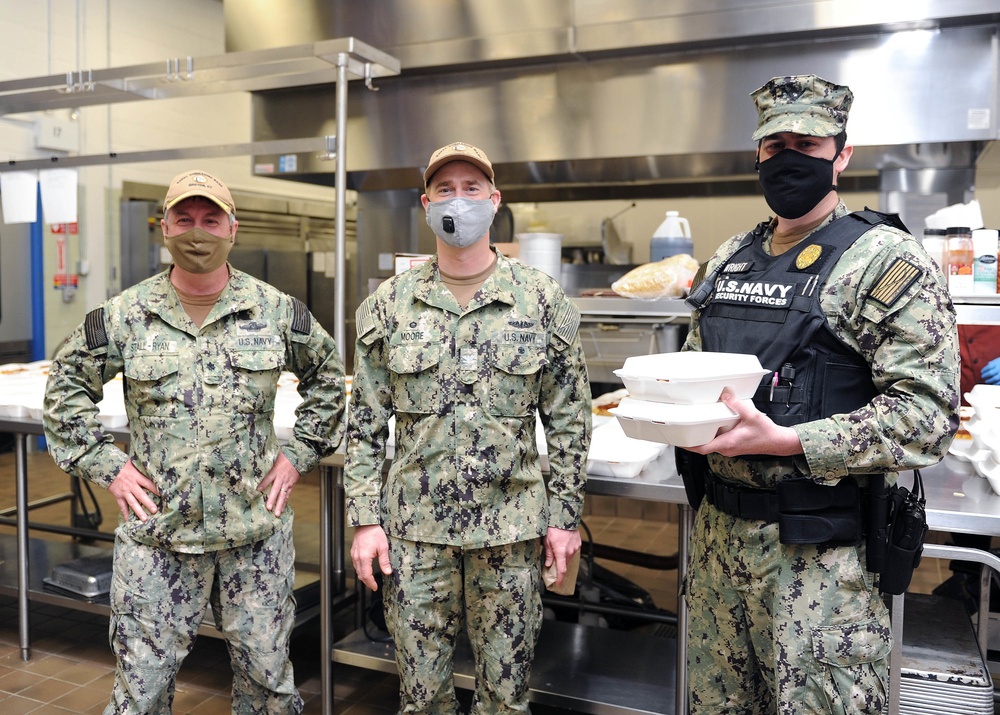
(935, 243)
(984, 271)
(961, 258)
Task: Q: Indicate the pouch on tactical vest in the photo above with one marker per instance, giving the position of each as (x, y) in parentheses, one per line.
(693, 468)
(812, 513)
(907, 529)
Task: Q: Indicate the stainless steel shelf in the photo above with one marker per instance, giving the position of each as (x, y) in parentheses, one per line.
(664, 310)
(581, 668)
(978, 310)
(44, 554)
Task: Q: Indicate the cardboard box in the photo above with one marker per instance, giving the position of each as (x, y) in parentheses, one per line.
(405, 261)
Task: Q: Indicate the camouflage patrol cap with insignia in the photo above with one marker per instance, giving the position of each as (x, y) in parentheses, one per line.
(199, 183)
(804, 104)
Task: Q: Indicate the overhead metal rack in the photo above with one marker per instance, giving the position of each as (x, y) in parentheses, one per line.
(250, 71)
(325, 147)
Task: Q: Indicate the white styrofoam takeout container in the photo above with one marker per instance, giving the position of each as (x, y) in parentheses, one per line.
(985, 401)
(690, 378)
(676, 424)
(987, 467)
(615, 454)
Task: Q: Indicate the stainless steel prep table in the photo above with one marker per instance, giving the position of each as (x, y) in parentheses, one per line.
(956, 501)
(23, 428)
(30, 587)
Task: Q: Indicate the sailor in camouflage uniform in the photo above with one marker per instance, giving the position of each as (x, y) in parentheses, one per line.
(858, 335)
(204, 486)
(462, 351)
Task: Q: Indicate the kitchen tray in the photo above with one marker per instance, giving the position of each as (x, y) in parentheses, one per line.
(87, 576)
(942, 669)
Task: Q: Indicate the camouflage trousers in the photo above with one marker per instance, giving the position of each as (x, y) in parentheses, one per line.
(772, 628)
(494, 592)
(158, 599)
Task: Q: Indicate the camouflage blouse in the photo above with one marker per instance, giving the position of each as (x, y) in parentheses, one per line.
(464, 387)
(200, 405)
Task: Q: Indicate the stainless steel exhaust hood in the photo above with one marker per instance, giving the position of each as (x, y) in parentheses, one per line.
(582, 98)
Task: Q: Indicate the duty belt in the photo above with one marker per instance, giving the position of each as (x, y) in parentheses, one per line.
(742, 502)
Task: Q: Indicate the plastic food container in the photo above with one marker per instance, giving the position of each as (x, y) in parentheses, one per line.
(14, 403)
(679, 425)
(615, 454)
(985, 399)
(691, 378)
(989, 469)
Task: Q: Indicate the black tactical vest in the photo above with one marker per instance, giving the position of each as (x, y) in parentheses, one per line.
(769, 306)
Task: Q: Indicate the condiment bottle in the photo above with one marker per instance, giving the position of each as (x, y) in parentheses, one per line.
(961, 256)
(984, 272)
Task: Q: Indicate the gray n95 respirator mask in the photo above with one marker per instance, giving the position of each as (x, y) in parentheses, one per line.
(460, 222)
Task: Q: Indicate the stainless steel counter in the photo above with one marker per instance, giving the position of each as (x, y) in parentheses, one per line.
(957, 501)
(34, 557)
(666, 309)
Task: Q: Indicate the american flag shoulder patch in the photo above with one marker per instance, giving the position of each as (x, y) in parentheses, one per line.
(95, 329)
(363, 317)
(894, 281)
(567, 321)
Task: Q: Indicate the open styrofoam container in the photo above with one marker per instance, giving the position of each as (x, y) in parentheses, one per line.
(989, 468)
(985, 401)
(690, 378)
(615, 454)
(676, 424)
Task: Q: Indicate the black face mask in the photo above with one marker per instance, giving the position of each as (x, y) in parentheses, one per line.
(794, 183)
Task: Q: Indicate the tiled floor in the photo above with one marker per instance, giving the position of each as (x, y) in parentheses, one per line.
(71, 667)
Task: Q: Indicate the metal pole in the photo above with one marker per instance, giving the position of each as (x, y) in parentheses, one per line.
(21, 499)
(686, 519)
(896, 654)
(339, 291)
(326, 474)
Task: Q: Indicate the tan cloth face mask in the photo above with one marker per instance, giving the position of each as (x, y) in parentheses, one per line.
(198, 251)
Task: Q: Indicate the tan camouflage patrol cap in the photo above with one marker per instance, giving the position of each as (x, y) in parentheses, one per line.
(198, 183)
(804, 104)
(458, 151)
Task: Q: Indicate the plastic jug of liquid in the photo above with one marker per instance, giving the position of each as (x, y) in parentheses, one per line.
(673, 236)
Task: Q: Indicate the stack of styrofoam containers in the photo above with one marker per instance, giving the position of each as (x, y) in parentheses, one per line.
(611, 454)
(22, 392)
(978, 440)
(674, 398)
(286, 401)
(22, 389)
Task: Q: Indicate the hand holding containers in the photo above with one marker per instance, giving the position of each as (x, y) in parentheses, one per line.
(674, 397)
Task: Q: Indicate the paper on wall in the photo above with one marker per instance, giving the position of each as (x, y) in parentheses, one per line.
(58, 195)
(19, 196)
